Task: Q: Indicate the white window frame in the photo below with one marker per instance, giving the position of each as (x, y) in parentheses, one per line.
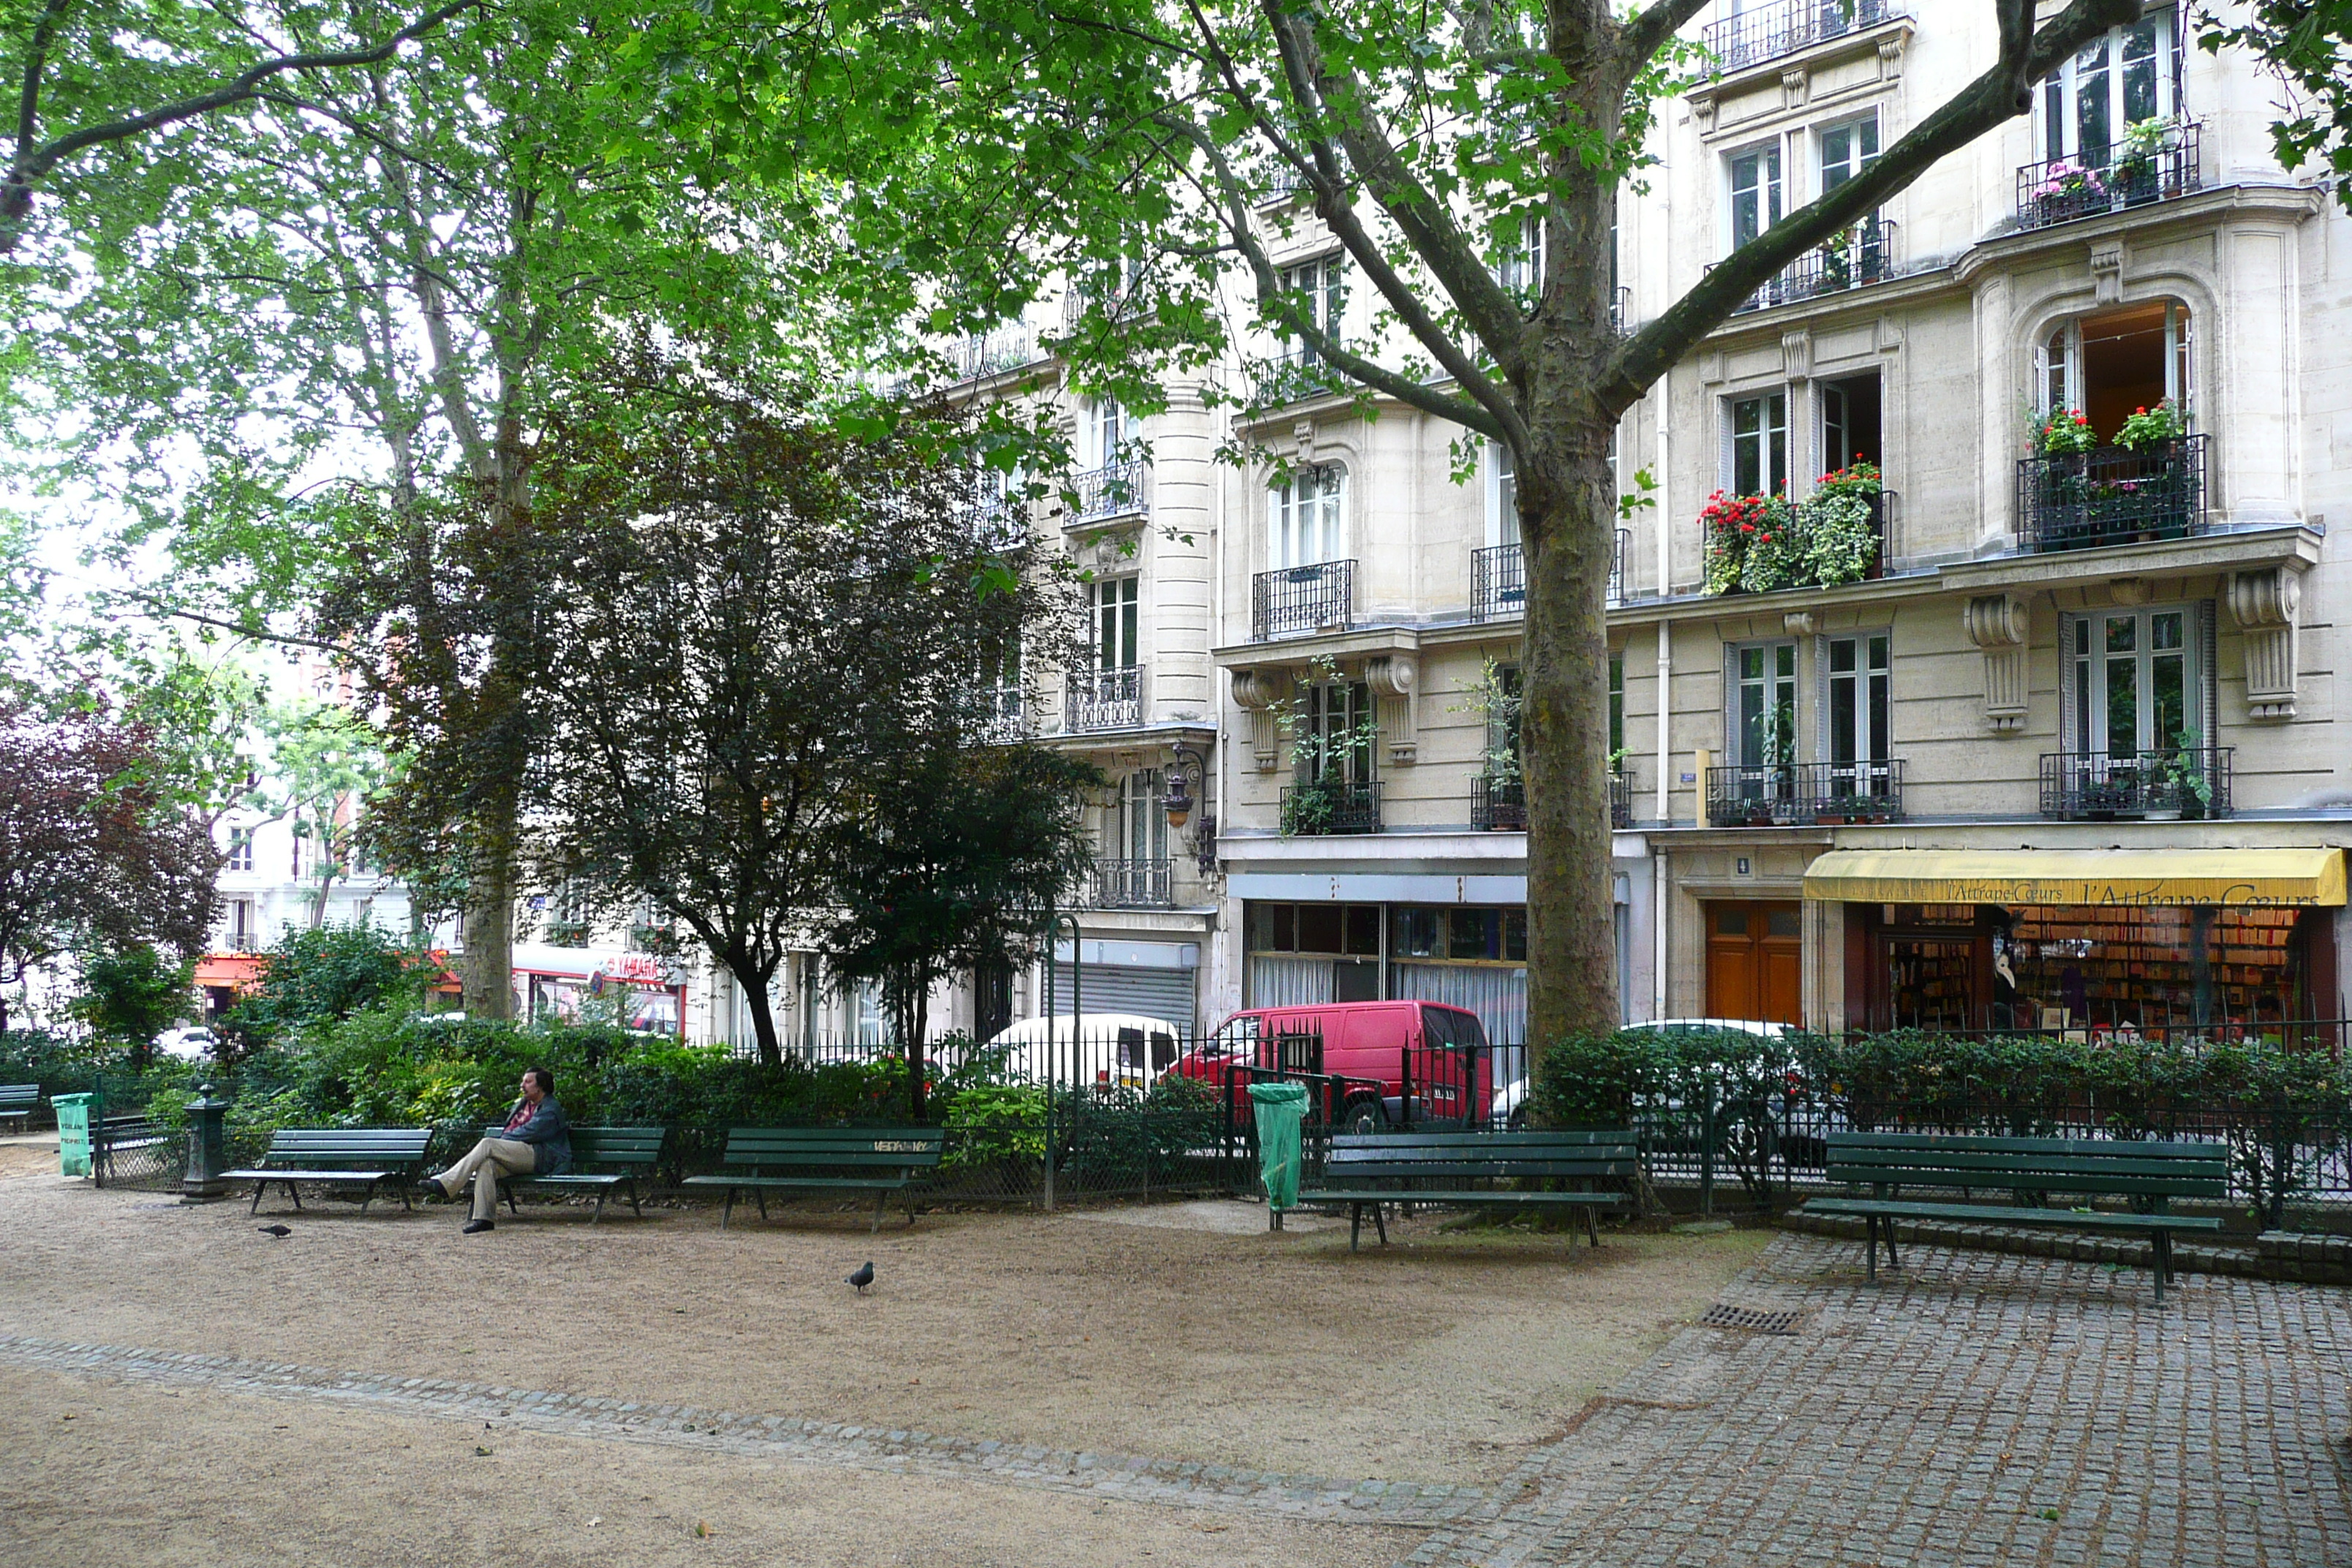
(1766, 396)
(1306, 519)
(1323, 279)
(2058, 362)
(1865, 692)
(1502, 497)
(1771, 195)
(1780, 685)
(1139, 828)
(1861, 162)
(1115, 604)
(2086, 676)
(1107, 429)
(2057, 114)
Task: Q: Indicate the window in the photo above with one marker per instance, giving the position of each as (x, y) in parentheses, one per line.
(1306, 515)
(1503, 528)
(1858, 714)
(1759, 443)
(1520, 268)
(2113, 82)
(1337, 732)
(1114, 603)
(1616, 703)
(240, 849)
(1323, 293)
(1847, 150)
(1764, 705)
(2108, 364)
(1850, 423)
(242, 937)
(1139, 828)
(2136, 680)
(1755, 193)
(1108, 427)
(1502, 724)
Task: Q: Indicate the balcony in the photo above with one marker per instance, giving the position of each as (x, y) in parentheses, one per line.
(2157, 166)
(992, 352)
(1331, 805)
(1861, 257)
(1804, 794)
(2157, 785)
(1130, 885)
(1108, 699)
(1621, 800)
(2078, 500)
(1115, 489)
(1003, 715)
(1498, 805)
(1298, 600)
(1498, 578)
(1753, 37)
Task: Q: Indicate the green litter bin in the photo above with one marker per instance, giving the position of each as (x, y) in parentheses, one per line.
(74, 1114)
(1280, 1108)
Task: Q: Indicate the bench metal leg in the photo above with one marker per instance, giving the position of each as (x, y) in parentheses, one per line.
(1355, 1223)
(727, 1208)
(761, 1196)
(910, 1208)
(881, 1198)
(1870, 1244)
(1380, 1225)
(512, 1206)
(367, 1197)
(2163, 1262)
(633, 1199)
(1892, 1261)
(295, 1196)
(599, 1214)
(259, 1188)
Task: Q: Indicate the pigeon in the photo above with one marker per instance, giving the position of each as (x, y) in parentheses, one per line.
(862, 1278)
(280, 1231)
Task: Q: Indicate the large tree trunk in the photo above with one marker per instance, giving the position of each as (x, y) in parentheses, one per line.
(754, 979)
(1569, 519)
(487, 967)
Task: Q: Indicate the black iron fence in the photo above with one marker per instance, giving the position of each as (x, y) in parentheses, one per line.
(2103, 786)
(2157, 163)
(1116, 489)
(1498, 804)
(1862, 255)
(1331, 806)
(1104, 698)
(1752, 38)
(1498, 578)
(1300, 599)
(1805, 793)
(1130, 885)
(2114, 495)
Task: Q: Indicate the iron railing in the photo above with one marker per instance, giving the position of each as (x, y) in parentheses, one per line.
(2101, 786)
(1498, 804)
(1331, 806)
(1752, 38)
(1115, 489)
(1621, 800)
(1861, 257)
(1132, 885)
(1498, 578)
(1104, 698)
(992, 353)
(1300, 599)
(1003, 714)
(1803, 794)
(2116, 495)
(2120, 175)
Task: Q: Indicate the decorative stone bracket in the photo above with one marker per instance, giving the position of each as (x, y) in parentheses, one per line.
(2263, 604)
(2001, 624)
(1257, 692)
(1393, 679)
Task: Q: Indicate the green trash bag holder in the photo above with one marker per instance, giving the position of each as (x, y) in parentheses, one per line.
(1278, 1108)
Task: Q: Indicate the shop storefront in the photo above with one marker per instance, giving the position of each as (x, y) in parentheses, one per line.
(2104, 940)
(1471, 956)
(553, 983)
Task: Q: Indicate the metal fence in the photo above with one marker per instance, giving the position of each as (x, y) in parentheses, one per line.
(2113, 495)
(1752, 37)
(2105, 786)
(1301, 599)
(2164, 160)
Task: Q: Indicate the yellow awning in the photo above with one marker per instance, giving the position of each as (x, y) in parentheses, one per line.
(2108, 876)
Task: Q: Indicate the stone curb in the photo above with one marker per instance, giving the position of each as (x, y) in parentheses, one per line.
(2276, 1254)
(1129, 1477)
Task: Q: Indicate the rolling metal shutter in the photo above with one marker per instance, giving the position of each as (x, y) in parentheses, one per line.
(1125, 988)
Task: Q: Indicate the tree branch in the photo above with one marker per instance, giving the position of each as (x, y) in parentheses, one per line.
(1646, 33)
(1983, 105)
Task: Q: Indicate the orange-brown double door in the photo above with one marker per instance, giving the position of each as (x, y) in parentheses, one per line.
(1755, 968)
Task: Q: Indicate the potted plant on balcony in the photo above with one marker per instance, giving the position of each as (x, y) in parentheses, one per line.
(2068, 190)
(1776, 556)
(2135, 174)
(1726, 525)
(1838, 525)
(2186, 786)
(1837, 262)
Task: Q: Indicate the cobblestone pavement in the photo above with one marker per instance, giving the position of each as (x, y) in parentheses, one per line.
(1974, 1408)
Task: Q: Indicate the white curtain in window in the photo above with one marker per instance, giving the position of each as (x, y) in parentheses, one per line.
(1497, 993)
(1289, 982)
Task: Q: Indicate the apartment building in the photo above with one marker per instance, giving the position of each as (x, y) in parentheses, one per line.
(2054, 737)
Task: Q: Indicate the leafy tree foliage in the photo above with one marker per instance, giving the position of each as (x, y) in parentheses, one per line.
(324, 765)
(92, 852)
(2308, 45)
(327, 973)
(130, 994)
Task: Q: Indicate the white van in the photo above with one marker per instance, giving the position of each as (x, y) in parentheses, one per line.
(1101, 1048)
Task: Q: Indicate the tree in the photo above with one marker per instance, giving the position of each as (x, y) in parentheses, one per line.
(132, 995)
(2308, 45)
(324, 765)
(755, 625)
(1135, 144)
(955, 862)
(92, 854)
(324, 974)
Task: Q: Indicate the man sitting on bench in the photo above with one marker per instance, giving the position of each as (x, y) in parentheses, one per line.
(535, 1142)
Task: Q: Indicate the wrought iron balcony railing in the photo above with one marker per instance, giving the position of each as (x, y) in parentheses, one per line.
(1331, 806)
(1294, 600)
(2159, 165)
(1804, 793)
(1132, 885)
(2075, 500)
(2101, 786)
(1498, 578)
(1108, 699)
(1003, 715)
(1498, 804)
(1621, 800)
(988, 353)
(1863, 255)
(1116, 489)
(1751, 37)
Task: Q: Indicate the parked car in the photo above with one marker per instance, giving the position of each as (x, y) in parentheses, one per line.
(191, 1043)
(1126, 1048)
(1441, 1051)
(1510, 1108)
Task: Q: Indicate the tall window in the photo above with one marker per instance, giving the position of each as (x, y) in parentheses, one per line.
(1322, 292)
(1755, 193)
(2112, 83)
(1847, 150)
(1307, 510)
(1849, 422)
(1506, 530)
(2108, 364)
(1858, 710)
(241, 933)
(1107, 426)
(240, 849)
(1759, 443)
(1520, 268)
(1338, 733)
(2137, 680)
(1140, 828)
(1764, 705)
(1115, 641)
(1616, 703)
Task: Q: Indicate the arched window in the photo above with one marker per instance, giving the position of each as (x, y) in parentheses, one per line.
(2108, 364)
(1309, 514)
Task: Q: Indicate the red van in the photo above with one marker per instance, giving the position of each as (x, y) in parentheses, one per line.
(1440, 1050)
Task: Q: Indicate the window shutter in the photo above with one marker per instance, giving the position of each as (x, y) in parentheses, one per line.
(2066, 695)
(1730, 752)
(1724, 467)
(2208, 698)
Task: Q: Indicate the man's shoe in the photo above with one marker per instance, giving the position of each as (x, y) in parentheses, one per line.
(429, 1186)
(475, 1227)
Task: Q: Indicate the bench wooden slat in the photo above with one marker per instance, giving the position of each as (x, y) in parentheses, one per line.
(2019, 1166)
(2068, 1218)
(1968, 1142)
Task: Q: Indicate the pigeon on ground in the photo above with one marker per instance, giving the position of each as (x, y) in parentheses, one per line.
(862, 1278)
(277, 1230)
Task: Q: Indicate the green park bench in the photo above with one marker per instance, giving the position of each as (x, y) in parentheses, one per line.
(619, 1156)
(1371, 1170)
(18, 1102)
(2029, 1170)
(878, 1159)
(363, 1157)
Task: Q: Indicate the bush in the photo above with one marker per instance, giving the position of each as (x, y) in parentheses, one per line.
(132, 994)
(328, 973)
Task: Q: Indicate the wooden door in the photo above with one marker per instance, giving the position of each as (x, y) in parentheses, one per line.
(1755, 962)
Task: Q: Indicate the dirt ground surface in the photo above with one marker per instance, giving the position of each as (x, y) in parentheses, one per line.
(1197, 1336)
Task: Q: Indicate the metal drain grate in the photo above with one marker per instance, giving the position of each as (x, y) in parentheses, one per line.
(1722, 1317)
